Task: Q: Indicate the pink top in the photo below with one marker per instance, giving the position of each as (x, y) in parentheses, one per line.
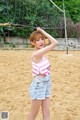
(42, 67)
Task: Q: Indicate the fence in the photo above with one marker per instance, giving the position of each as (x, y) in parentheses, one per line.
(21, 43)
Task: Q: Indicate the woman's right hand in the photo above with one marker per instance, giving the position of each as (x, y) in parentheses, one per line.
(39, 29)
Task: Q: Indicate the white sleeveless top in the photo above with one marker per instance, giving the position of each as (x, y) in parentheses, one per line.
(42, 67)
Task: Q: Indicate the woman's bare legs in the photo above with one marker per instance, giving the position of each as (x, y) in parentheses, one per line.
(35, 106)
(46, 109)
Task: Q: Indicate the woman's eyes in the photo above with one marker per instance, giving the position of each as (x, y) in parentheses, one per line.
(39, 39)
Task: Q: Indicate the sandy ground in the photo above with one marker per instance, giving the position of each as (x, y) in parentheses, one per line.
(15, 78)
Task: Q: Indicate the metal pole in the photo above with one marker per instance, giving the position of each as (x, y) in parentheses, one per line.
(56, 6)
(65, 28)
(64, 22)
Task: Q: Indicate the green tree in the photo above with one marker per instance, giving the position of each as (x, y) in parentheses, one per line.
(32, 13)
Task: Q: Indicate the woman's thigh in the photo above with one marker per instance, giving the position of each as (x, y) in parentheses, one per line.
(46, 107)
(35, 106)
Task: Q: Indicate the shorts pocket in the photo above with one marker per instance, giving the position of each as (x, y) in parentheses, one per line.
(32, 90)
(33, 85)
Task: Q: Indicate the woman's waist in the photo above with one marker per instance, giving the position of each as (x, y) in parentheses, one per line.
(42, 77)
(39, 75)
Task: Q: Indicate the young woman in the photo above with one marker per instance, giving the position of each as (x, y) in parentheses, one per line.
(40, 86)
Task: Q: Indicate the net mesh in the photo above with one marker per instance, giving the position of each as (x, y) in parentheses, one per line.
(18, 12)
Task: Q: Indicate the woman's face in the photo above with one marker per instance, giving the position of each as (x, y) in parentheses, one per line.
(39, 42)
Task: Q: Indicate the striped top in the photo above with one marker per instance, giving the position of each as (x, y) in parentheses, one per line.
(42, 67)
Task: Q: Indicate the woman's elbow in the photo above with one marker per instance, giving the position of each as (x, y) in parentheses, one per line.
(56, 43)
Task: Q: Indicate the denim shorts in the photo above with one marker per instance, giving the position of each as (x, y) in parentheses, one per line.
(40, 87)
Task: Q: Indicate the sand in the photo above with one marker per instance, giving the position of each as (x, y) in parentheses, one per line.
(15, 79)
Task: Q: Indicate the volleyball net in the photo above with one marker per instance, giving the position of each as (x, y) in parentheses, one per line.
(51, 19)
